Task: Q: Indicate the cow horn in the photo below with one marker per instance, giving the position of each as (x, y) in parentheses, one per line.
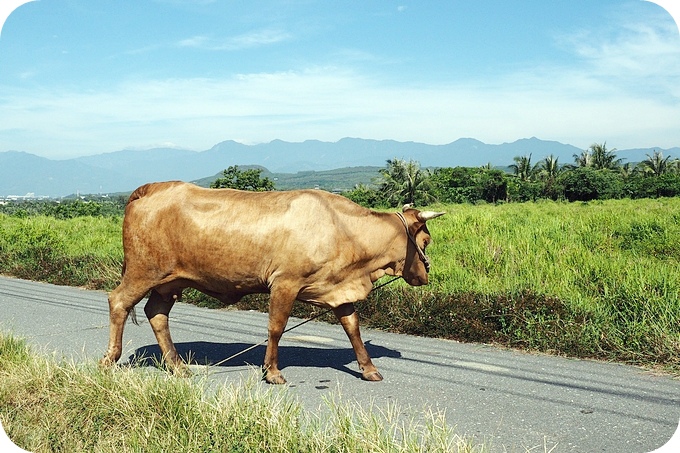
(406, 206)
(424, 216)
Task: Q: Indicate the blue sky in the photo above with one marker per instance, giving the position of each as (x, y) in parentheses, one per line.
(81, 77)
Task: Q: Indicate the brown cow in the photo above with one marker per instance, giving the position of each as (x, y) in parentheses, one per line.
(308, 245)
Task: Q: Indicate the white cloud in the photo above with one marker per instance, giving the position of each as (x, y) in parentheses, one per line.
(622, 87)
(245, 41)
(634, 56)
(195, 41)
(329, 103)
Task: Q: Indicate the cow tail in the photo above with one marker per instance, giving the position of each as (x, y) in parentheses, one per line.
(132, 314)
(136, 195)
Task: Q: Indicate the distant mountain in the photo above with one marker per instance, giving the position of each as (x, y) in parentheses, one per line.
(122, 171)
(280, 156)
(21, 173)
(640, 154)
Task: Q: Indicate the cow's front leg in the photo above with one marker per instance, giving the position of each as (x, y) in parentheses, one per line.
(350, 322)
(280, 305)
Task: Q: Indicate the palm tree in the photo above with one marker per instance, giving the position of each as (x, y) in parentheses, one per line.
(674, 165)
(549, 168)
(656, 164)
(582, 160)
(404, 182)
(627, 170)
(522, 168)
(602, 158)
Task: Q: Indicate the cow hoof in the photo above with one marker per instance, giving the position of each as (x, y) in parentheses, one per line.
(275, 379)
(176, 368)
(372, 376)
(181, 371)
(106, 362)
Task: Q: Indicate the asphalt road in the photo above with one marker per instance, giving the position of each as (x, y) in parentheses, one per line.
(512, 401)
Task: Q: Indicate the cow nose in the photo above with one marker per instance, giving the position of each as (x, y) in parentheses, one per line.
(419, 280)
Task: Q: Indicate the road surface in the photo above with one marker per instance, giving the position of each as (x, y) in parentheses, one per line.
(509, 400)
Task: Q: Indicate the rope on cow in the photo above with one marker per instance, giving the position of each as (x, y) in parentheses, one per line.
(318, 315)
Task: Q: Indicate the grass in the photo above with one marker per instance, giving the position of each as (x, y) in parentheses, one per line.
(598, 280)
(47, 406)
(84, 251)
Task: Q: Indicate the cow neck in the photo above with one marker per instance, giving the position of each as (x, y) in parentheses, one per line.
(421, 253)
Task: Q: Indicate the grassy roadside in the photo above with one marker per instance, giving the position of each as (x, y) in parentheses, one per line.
(598, 280)
(84, 251)
(51, 406)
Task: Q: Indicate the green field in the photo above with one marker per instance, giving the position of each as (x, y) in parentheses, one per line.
(594, 280)
(598, 279)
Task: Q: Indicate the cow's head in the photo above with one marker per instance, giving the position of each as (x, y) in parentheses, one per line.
(416, 265)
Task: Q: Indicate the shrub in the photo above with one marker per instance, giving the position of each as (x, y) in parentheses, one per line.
(586, 183)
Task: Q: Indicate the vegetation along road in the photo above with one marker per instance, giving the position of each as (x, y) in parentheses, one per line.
(510, 401)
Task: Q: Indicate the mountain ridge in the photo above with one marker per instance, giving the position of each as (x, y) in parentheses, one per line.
(124, 170)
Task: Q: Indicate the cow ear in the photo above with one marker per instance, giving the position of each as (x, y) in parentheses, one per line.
(406, 206)
(424, 216)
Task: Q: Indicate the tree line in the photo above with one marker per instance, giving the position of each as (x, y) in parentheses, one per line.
(595, 174)
(67, 208)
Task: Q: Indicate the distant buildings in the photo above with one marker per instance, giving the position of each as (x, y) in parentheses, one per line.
(27, 197)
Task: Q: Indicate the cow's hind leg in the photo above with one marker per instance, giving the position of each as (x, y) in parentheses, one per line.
(350, 322)
(280, 305)
(157, 310)
(121, 301)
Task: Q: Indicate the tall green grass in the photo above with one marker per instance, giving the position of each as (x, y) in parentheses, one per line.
(599, 279)
(576, 251)
(605, 272)
(84, 251)
(50, 406)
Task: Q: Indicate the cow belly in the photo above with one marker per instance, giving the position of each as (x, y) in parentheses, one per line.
(229, 287)
(335, 294)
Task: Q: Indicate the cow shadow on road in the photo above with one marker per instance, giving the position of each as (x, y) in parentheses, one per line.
(212, 353)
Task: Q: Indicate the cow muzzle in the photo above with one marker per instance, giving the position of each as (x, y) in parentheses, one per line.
(418, 280)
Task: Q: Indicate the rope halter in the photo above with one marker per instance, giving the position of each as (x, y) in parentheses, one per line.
(421, 252)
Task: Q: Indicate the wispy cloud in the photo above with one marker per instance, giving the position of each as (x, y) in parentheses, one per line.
(637, 56)
(194, 41)
(250, 40)
(329, 103)
(143, 50)
(622, 85)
